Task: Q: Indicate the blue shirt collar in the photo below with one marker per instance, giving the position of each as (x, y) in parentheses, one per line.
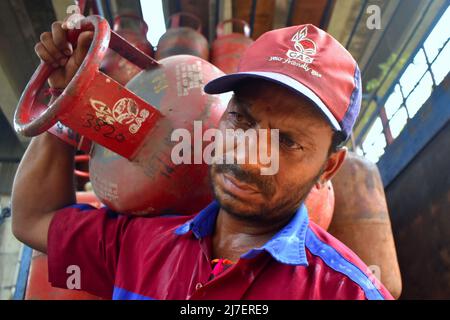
(286, 246)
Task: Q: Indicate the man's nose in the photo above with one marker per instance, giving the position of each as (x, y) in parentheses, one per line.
(253, 149)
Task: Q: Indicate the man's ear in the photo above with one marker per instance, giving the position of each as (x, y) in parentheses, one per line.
(332, 166)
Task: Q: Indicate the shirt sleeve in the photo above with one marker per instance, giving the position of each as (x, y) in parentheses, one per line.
(84, 242)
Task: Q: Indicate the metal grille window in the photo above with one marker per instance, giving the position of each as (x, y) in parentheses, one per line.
(427, 68)
(374, 144)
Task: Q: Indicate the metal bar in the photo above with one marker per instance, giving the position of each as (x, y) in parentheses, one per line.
(213, 20)
(292, 6)
(418, 81)
(108, 12)
(373, 94)
(217, 18)
(352, 141)
(131, 53)
(22, 277)
(428, 70)
(326, 14)
(99, 7)
(355, 26)
(403, 101)
(10, 159)
(429, 66)
(217, 13)
(382, 38)
(177, 6)
(433, 117)
(386, 128)
(252, 16)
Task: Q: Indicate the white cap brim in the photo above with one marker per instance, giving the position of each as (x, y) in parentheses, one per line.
(228, 83)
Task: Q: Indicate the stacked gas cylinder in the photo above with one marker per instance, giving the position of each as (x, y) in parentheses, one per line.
(225, 52)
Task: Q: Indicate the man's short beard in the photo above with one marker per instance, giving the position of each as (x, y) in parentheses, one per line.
(286, 206)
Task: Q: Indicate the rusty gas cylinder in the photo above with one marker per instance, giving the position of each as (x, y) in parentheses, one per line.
(227, 49)
(183, 39)
(361, 219)
(320, 204)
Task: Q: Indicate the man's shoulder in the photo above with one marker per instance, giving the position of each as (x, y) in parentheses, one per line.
(324, 245)
(126, 222)
(159, 223)
(342, 262)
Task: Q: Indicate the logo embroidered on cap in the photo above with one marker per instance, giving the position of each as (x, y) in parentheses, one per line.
(301, 58)
(305, 47)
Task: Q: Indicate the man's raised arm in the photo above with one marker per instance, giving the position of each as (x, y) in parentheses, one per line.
(43, 184)
(44, 181)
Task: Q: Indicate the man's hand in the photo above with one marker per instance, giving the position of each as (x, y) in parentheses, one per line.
(54, 49)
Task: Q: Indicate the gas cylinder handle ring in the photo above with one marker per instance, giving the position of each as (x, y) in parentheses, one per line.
(245, 26)
(174, 20)
(82, 158)
(28, 119)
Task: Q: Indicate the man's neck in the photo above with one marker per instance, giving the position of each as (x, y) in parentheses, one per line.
(233, 236)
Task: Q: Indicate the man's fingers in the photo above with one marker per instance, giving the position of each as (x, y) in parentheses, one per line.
(60, 39)
(47, 41)
(83, 45)
(44, 55)
(85, 39)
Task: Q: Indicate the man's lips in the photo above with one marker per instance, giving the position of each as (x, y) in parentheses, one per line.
(235, 185)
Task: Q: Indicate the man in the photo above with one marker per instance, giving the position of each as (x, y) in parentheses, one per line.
(255, 240)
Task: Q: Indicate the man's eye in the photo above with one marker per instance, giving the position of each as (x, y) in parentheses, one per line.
(235, 116)
(238, 119)
(289, 143)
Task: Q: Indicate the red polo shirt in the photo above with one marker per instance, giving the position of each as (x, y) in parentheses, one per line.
(169, 257)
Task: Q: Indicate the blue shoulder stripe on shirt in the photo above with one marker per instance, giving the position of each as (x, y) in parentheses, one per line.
(337, 262)
(122, 294)
(81, 206)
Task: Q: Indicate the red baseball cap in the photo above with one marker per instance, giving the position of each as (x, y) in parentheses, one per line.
(309, 61)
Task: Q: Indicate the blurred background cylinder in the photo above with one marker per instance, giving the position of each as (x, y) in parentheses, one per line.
(183, 39)
(134, 30)
(39, 288)
(227, 49)
(361, 219)
(320, 205)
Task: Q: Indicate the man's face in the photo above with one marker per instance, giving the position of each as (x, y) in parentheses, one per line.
(304, 141)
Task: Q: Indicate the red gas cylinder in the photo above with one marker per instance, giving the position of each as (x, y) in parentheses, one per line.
(131, 167)
(81, 169)
(133, 29)
(88, 197)
(227, 49)
(320, 204)
(183, 40)
(38, 286)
